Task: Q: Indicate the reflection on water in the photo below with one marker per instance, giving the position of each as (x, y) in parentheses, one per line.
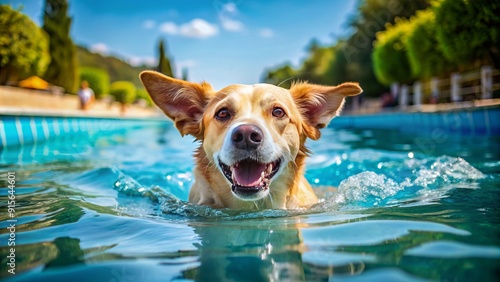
(114, 209)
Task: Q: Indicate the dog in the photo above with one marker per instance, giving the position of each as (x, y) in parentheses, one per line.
(252, 137)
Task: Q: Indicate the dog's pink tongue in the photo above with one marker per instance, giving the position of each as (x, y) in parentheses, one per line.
(247, 173)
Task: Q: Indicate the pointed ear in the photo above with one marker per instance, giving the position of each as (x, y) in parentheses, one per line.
(182, 101)
(319, 104)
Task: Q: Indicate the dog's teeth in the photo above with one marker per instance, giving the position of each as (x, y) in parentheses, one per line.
(233, 178)
(269, 168)
(262, 175)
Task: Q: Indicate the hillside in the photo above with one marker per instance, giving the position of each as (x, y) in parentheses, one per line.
(116, 68)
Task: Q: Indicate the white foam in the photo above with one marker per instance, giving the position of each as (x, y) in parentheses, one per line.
(375, 189)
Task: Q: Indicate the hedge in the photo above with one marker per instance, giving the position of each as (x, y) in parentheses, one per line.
(98, 80)
(390, 58)
(468, 32)
(123, 91)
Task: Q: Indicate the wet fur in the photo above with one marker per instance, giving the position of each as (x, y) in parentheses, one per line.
(192, 107)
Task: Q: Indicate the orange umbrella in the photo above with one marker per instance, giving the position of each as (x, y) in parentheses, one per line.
(34, 82)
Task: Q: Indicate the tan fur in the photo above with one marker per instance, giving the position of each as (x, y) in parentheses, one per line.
(192, 107)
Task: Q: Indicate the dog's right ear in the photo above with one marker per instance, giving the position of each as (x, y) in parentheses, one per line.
(182, 101)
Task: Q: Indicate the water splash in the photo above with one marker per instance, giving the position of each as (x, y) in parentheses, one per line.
(130, 187)
(410, 180)
(404, 180)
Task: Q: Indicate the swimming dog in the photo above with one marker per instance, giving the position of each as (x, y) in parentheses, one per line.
(252, 137)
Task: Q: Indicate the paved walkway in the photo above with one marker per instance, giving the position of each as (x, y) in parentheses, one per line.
(130, 114)
(19, 101)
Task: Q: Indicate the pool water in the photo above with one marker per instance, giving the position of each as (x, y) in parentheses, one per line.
(113, 208)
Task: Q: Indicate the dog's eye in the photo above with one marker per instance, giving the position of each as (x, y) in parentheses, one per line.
(223, 114)
(278, 112)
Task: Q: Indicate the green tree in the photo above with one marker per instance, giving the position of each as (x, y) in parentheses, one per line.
(468, 32)
(24, 47)
(424, 53)
(316, 64)
(371, 19)
(185, 75)
(98, 80)
(338, 67)
(123, 91)
(390, 58)
(282, 76)
(351, 59)
(164, 64)
(62, 70)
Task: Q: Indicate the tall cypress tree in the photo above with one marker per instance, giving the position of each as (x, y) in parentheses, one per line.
(185, 74)
(62, 70)
(164, 65)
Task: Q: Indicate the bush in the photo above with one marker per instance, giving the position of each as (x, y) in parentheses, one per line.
(141, 93)
(98, 80)
(24, 47)
(468, 32)
(425, 55)
(123, 91)
(390, 58)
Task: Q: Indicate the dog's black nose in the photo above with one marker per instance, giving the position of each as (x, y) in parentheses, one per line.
(247, 137)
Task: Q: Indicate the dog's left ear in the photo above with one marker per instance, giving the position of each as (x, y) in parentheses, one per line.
(182, 101)
(319, 104)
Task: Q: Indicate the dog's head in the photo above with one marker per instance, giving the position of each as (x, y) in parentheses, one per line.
(253, 134)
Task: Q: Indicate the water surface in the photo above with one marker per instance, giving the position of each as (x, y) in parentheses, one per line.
(113, 208)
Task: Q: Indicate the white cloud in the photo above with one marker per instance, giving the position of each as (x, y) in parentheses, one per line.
(149, 24)
(227, 16)
(231, 25)
(138, 61)
(266, 33)
(100, 48)
(169, 28)
(197, 28)
(230, 8)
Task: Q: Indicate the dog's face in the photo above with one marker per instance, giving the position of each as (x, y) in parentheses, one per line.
(251, 133)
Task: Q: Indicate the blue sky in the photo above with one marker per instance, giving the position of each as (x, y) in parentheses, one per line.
(221, 42)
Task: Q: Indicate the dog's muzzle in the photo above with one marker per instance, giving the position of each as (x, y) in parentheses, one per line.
(248, 173)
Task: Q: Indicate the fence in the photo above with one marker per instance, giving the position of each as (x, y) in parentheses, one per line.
(478, 84)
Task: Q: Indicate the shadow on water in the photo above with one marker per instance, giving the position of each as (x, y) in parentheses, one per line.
(68, 252)
(257, 253)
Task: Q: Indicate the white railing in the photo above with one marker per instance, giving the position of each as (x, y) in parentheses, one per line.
(473, 85)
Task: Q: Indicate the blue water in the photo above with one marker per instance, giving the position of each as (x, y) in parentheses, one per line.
(113, 208)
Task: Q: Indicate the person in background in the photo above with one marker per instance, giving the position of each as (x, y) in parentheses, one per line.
(86, 95)
(388, 100)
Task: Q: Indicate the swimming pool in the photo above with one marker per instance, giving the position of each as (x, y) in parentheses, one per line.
(112, 208)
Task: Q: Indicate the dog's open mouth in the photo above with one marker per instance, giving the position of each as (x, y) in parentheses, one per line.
(249, 176)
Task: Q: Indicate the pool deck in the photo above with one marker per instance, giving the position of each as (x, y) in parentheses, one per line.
(20, 101)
